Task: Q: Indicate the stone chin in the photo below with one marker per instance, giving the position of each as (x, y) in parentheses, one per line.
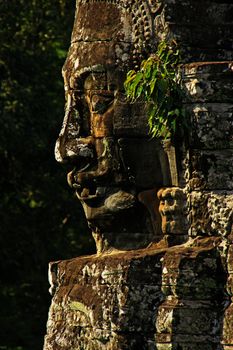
(107, 206)
(118, 220)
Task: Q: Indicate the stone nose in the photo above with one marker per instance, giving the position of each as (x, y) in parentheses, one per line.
(70, 146)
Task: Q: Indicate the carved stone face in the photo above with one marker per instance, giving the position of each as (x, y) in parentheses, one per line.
(105, 137)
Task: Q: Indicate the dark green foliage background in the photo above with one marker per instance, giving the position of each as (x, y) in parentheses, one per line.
(40, 220)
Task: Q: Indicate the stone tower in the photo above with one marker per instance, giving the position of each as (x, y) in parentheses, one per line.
(160, 214)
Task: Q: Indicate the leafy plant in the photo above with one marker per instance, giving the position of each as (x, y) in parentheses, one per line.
(157, 82)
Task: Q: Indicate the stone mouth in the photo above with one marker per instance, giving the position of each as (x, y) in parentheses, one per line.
(85, 165)
(76, 177)
(88, 179)
(85, 184)
(90, 193)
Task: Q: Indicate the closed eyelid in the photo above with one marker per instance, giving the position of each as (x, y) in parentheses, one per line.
(102, 93)
(100, 103)
(90, 92)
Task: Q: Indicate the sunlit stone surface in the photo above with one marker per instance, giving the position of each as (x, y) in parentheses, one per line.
(160, 214)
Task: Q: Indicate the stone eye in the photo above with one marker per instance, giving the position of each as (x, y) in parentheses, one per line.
(100, 103)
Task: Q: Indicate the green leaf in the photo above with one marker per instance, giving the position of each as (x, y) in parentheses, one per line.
(152, 85)
(158, 83)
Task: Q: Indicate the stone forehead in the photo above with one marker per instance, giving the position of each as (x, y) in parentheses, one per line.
(94, 57)
(127, 4)
(117, 20)
(110, 33)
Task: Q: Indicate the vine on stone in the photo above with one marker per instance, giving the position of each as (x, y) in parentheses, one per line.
(158, 83)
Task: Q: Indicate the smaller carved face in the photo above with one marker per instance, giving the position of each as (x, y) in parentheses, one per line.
(173, 211)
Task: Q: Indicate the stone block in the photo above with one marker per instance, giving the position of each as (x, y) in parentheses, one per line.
(208, 82)
(164, 346)
(192, 35)
(211, 213)
(199, 13)
(202, 29)
(97, 26)
(194, 275)
(130, 119)
(230, 252)
(211, 125)
(210, 170)
(94, 301)
(177, 317)
(115, 300)
(153, 162)
(187, 346)
(228, 326)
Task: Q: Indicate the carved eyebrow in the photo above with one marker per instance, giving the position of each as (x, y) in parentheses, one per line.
(106, 93)
(80, 75)
(97, 68)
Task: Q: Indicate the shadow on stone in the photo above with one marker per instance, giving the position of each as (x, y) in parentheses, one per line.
(191, 317)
